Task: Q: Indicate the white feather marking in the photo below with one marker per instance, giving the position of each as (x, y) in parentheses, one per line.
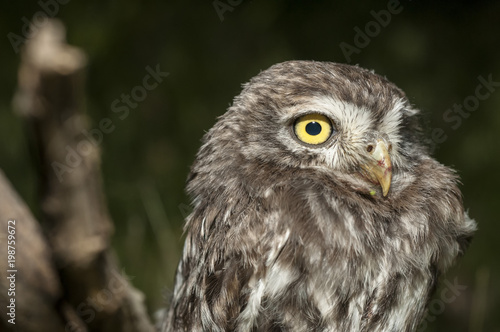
(390, 125)
(392, 120)
(322, 302)
(278, 278)
(268, 192)
(227, 215)
(249, 314)
(203, 227)
(280, 240)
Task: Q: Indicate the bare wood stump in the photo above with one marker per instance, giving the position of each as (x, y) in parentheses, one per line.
(77, 225)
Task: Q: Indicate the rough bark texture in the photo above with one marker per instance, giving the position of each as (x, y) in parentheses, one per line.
(68, 273)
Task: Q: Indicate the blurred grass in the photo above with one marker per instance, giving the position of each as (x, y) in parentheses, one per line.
(433, 51)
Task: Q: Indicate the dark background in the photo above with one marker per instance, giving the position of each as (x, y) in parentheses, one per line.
(434, 51)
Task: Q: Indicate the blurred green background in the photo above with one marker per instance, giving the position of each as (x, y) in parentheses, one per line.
(434, 51)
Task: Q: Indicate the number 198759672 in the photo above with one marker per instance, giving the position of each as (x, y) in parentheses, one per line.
(11, 244)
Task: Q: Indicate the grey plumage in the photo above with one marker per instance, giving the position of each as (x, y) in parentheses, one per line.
(287, 235)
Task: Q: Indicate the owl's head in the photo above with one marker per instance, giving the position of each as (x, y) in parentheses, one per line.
(304, 118)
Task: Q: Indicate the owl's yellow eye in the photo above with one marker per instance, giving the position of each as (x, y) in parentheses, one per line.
(313, 129)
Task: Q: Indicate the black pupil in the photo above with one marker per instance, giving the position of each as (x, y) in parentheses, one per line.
(313, 128)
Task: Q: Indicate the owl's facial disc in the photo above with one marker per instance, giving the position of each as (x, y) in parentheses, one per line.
(378, 168)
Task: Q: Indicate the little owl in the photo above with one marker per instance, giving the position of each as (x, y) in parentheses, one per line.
(317, 207)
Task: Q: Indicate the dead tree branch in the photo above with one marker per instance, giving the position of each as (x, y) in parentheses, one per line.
(75, 219)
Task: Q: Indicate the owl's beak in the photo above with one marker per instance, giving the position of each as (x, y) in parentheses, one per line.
(379, 167)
